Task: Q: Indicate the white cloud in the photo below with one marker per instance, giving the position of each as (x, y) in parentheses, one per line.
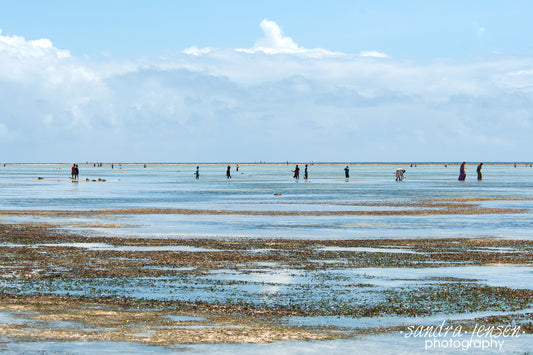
(19, 47)
(373, 54)
(226, 104)
(520, 79)
(274, 42)
(41, 43)
(196, 51)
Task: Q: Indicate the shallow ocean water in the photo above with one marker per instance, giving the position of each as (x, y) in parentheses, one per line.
(372, 187)
(375, 344)
(271, 188)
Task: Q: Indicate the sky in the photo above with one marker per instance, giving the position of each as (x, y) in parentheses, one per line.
(246, 81)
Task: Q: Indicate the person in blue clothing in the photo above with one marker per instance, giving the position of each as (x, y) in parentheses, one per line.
(346, 172)
(197, 173)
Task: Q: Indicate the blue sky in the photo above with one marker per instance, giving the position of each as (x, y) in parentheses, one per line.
(266, 80)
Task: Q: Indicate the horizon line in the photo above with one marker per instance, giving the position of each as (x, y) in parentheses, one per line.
(270, 162)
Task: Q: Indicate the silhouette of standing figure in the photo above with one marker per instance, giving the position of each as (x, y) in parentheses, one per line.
(306, 175)
(197, 173)
(296, 172)
(228, 172)
(478, 170)
(346, 172)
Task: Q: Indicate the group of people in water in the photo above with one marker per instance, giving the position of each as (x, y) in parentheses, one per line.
(74, 172)
(228, 172)
(296, 172)
(399, 172)
(462, 172)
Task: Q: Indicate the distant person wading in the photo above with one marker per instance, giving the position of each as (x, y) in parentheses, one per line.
(462, 172)
(296, 172)
(399, 174)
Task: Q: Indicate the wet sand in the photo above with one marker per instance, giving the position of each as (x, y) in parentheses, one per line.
(446, 206)
(58, 286)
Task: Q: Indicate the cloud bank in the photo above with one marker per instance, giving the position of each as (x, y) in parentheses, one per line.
(274, 101)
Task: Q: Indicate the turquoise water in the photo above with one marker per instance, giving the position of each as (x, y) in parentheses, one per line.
(270, 187)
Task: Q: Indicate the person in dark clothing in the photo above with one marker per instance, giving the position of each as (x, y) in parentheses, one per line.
(478, 170)
(306, 175)
(346, 172)
(228, 172)
(296, 172)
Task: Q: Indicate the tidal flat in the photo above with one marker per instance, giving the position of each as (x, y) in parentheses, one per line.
(150, 260)
(63, 287)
